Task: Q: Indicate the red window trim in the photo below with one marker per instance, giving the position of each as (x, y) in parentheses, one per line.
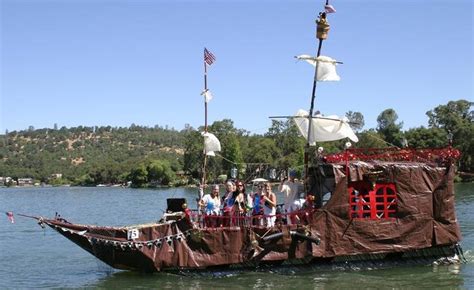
(377, 203)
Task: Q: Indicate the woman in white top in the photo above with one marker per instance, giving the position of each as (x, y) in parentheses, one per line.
(211, 204)
(269, 204)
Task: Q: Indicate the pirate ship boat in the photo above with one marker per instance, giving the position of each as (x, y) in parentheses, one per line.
(384, 204)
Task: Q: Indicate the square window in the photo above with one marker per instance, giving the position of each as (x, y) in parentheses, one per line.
(367, 201)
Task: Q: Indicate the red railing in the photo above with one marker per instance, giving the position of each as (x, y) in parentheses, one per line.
(246, 219)
(440, 156)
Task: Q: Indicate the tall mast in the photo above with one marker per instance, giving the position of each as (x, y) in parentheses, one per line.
(209, 59)
(203, 179)
(322, 34)
(205, 103)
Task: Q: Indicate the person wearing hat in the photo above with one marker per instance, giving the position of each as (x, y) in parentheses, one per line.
(290, 189)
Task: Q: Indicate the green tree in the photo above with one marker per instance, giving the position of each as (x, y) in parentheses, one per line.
(262, 150)
(451, 116)
(193, 153)
(224, 128)
(389, 128)
(370, 139)
(229, 136)
(457, 118)
(287, 138)
(160, 171)
(356, 120)
(231, 153)
(426, 138)
(466, 146)
(139, 176)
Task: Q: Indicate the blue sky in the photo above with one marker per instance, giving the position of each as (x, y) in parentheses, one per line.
(118, 62)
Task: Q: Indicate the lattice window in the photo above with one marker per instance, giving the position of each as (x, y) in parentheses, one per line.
(372, 202)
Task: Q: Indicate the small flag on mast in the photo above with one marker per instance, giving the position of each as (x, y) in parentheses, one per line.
(329, 8)
(10, 216)
(209, 58)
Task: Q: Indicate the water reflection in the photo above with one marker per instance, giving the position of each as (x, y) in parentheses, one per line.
(464, 197)
(464, 193)
(316, 277)
(33, 257)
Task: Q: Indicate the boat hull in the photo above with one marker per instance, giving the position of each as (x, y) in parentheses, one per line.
(407, 211)
(241, 248)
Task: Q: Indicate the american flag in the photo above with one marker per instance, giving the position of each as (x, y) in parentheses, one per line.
(329, 9)
(209, 58)
(10, 216)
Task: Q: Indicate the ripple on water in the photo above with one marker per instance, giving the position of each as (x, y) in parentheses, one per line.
(34, 258)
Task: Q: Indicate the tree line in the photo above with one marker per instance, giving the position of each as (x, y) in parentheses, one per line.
(156, 156)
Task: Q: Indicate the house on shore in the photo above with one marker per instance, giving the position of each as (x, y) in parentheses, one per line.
(25, 182)
(5, 180)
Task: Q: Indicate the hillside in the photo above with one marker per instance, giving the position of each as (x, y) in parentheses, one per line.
(86, 154)
(160, 156)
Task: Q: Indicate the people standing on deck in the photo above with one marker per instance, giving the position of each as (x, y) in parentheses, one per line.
(240, 202)
(228, 202)
(211, 204)
(291, 189)
(269, 204)
(229, 198)
(257, 211)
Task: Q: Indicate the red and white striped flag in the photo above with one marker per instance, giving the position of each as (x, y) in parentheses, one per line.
(329, 9)
(10, 216)
(209, 58)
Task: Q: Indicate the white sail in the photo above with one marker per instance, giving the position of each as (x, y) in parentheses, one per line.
(211, 144)
(207, 95)
(327, 128)
(326, 67)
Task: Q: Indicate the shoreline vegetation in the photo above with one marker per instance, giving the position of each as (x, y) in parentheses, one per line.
(140, 156)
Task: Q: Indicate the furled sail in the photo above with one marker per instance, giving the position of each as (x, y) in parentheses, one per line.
(211, 144)
(327, 128)
(326, 67)
(207, 95)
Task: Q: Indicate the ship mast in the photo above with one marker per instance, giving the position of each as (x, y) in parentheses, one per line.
(209, 59)
(321, 34)
(203, 178)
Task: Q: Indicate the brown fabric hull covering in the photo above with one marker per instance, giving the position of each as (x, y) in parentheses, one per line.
(425, 218)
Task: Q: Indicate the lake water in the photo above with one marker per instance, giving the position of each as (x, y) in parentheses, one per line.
(32, 257)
